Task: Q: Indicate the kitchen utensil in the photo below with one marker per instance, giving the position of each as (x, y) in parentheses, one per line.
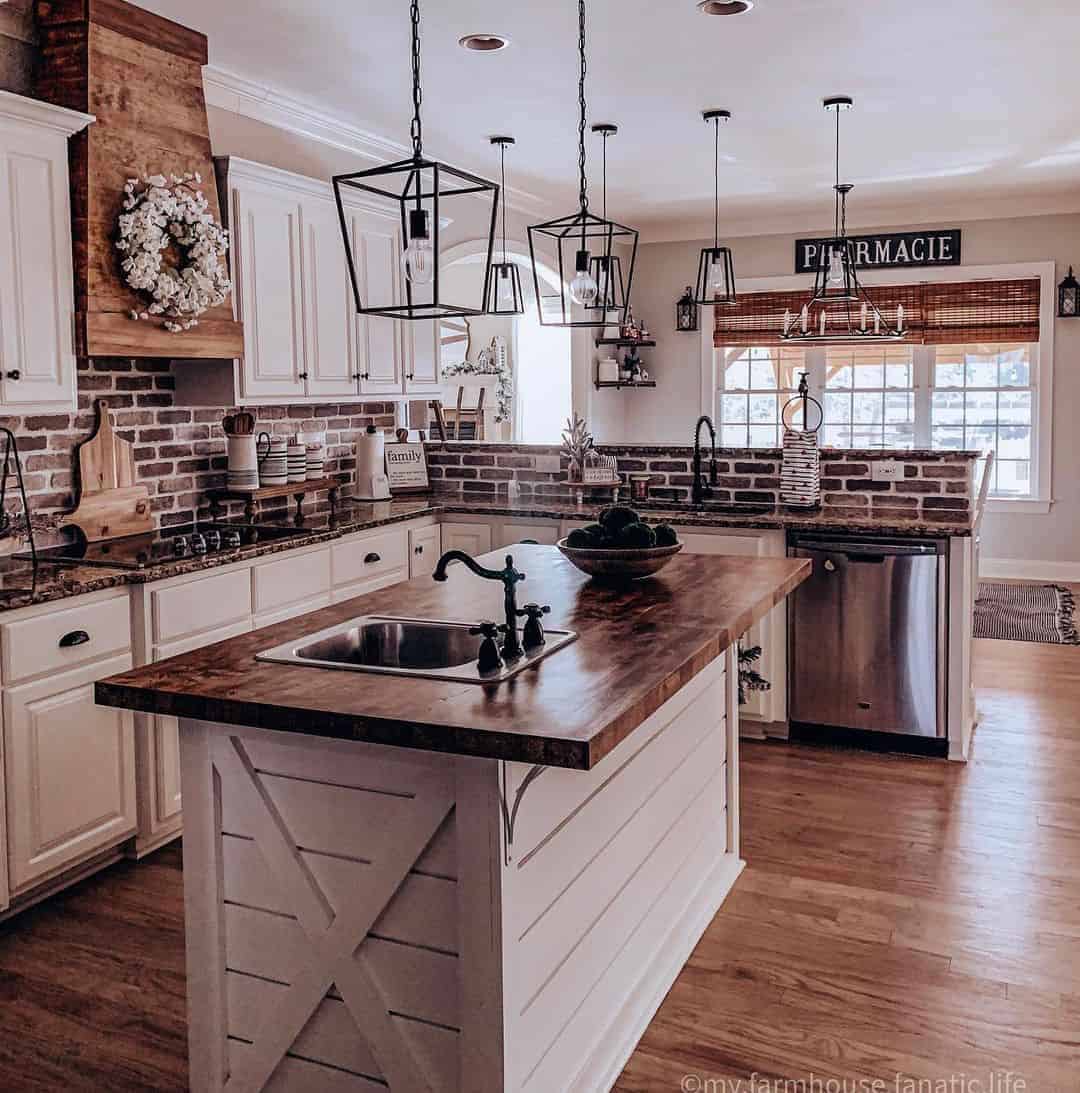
(110, 502)
(619, 564)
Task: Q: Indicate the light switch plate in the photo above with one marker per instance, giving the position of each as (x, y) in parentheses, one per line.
(886, 470)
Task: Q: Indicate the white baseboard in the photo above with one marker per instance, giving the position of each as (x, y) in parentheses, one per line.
(1030, 569)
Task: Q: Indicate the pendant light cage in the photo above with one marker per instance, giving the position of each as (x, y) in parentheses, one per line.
(409, 201)
(839, 311)
(715, 285)
(607, 271)
(584, 246)
(504, 295)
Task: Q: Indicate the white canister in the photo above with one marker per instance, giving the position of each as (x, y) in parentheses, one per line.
(608, 370)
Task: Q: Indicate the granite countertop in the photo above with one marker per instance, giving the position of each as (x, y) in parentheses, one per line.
(18, 589)
(636, 647)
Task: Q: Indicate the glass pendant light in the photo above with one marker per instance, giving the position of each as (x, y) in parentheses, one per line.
(840, 311)
(606, 270)
(504, 295)
(716, 270)
(577, 241)
(415, 196)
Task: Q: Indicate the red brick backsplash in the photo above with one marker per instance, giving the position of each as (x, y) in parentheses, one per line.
(179, 451)
(937, 487)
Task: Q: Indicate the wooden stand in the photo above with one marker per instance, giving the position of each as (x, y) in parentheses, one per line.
(297, 490)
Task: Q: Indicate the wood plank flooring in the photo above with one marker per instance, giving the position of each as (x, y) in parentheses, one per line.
(898, 916)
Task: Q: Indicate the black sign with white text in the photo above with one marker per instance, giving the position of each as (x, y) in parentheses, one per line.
(889, 251)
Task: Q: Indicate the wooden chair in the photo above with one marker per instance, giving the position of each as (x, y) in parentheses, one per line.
(464, 422)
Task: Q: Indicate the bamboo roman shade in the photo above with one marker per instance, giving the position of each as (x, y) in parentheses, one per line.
(934, 314)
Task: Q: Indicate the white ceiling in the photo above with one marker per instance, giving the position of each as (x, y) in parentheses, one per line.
(963, 107)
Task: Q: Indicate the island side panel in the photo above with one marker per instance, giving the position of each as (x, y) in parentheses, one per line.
(337, 895)
(613, 875)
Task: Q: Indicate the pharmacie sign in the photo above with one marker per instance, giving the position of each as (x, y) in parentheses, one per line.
(890, 250)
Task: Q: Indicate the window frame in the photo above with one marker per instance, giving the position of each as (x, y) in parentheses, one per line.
(1040, 499)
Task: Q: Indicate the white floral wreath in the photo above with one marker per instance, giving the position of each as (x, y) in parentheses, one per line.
(157, 214)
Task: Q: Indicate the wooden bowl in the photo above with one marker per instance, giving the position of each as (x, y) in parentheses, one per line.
(606, 564)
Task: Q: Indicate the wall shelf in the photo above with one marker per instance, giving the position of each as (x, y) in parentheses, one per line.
(296, 490)
(628, 343)
(623, 383)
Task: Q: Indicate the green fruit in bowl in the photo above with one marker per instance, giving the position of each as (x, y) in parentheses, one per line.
(578, 539)
(665, 535)
(636, 536)
(597, 536)
(616, 517)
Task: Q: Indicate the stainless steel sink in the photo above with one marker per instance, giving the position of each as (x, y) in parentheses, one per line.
(425, 648)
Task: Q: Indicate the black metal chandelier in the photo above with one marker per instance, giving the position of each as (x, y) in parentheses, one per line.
(716, 270)
(418, 193)
(606, 270)
(840, 311)
(579, 241)
(504, 289)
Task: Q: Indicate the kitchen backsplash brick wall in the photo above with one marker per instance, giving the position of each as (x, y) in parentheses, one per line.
(179, 451)
(937, 487)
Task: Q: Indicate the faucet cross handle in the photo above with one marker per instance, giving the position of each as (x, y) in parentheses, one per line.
(533, 635)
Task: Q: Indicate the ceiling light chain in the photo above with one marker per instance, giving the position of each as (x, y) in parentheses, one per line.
(417, 127)
(584, 181)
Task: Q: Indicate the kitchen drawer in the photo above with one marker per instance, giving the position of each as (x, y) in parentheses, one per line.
(56, 640)
(293, 578)
(271, 618)
(372, 584)
(196, 606)
(541, 533)
(425, 546)
(368, 557)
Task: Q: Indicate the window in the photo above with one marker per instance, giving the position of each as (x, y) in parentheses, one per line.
(755, 384)
(951, 397)
(983, 397)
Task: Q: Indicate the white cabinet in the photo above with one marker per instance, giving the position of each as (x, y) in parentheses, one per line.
(472, 538)
(69, 773)
(37, 307)
(515, 531)
(425, 546)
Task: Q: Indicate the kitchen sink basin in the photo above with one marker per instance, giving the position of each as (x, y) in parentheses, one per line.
(423, 648)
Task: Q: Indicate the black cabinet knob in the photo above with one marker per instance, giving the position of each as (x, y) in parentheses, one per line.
(419, 549)
(372, 558)
(303, 375)
(14, 374)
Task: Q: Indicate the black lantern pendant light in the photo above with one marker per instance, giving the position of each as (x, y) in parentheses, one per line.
(504, 291)
(417, 193)
(1069, 297)
(855, 318)
(606, 270)
(716, 270)
(577, 240)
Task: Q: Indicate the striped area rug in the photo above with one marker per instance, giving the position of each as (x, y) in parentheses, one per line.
(1025, 612)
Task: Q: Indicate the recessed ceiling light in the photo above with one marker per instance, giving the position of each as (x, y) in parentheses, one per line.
(725, 7)
(483, 43)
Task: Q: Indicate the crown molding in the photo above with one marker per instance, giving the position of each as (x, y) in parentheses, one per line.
(261, 102)
(42, 115)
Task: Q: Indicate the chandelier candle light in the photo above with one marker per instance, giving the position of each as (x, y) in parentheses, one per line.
(417, 192)
(836, 279)
(589, 239)
(504, 296)
(716, 270)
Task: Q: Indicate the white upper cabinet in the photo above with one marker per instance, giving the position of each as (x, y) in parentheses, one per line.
(37, 308)
(303, 338)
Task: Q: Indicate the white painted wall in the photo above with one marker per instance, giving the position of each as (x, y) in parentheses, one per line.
(664, 269)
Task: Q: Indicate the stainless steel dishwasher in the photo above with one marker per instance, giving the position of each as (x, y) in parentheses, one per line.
(867, 636)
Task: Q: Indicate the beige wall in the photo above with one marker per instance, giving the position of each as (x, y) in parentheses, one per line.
(664, 269)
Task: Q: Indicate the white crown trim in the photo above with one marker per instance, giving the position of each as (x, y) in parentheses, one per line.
(261, 102)
(43, 115)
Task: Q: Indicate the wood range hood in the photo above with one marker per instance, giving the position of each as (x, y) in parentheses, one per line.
(141, 76)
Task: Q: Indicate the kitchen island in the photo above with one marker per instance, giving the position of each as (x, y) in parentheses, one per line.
(436, 885)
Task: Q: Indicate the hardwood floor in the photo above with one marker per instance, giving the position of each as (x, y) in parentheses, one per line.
(899, 916)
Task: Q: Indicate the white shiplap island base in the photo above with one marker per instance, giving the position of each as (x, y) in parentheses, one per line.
(358, 917)
(435, 886)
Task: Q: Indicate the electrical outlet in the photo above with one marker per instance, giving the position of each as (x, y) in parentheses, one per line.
(886, 470)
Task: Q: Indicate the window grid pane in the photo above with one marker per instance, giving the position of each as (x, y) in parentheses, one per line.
(869, 397)
(757, 381)
(983, 399)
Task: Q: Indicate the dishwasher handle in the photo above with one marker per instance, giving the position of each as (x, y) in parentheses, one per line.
(866, 551)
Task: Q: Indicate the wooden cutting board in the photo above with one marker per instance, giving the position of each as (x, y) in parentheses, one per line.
(110, 503)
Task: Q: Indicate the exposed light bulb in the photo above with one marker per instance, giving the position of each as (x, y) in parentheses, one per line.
(418, 262)
(506, 286)
(836, 267)
(418, 258)
(583, 289)
(717, 276)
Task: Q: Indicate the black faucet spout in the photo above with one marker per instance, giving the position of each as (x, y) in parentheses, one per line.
(510, 578)
(699, 490)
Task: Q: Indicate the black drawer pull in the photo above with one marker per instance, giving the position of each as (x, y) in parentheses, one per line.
(372, 558)
(419, 549)
(76, 637)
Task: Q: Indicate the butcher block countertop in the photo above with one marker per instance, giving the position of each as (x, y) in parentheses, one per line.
(637, 646)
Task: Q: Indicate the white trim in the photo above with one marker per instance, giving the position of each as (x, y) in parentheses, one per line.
(263, 103)
(42, 115)
(245, 170)
(1047, 274)
(1018, 506)
(1032, 569)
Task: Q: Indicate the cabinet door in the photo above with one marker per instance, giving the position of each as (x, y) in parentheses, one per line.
(425, 546)
(421, 361)
(267, 269)
(379, 341)
(37, 354)
(329, 310)
(511, 533)
(472, 538)
(69, 772)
